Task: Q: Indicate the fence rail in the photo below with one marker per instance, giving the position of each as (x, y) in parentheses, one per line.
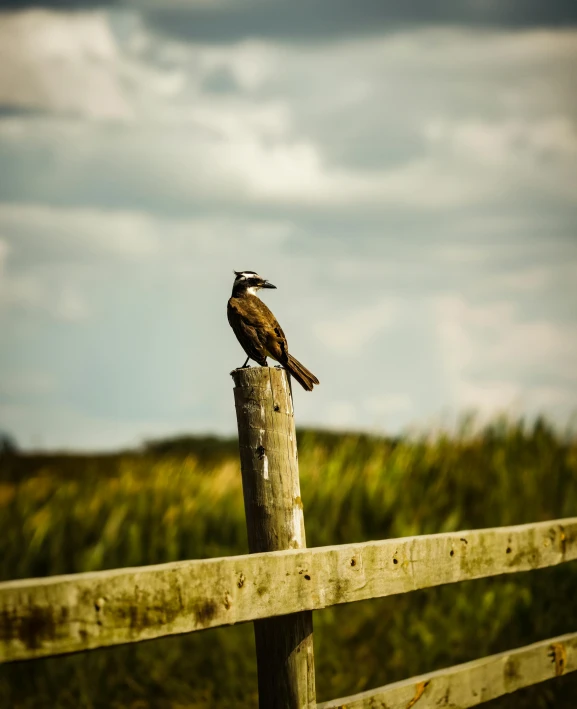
(473, 682)
(60, 614)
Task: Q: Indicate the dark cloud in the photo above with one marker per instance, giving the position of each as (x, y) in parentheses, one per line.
(304, 20)
(56, 4)
(7, 111)
(220, 81)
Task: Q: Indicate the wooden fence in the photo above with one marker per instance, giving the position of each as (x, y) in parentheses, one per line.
(279, 589)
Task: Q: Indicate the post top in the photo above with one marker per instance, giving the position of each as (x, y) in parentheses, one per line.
(260, 377)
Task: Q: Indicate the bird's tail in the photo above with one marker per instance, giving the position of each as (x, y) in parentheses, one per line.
(305, 378)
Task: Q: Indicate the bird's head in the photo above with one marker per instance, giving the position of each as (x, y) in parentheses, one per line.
(250, 282)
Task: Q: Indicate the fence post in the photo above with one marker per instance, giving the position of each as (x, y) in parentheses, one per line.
(274, 519)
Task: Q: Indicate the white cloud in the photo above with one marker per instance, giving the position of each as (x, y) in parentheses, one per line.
(490, 397)
(350, 333)
(496, 335)
(461, 254)
(387, 404)
(29, 292)
(528, 279)
(61, 259)
(477, 341)
(295, 173)
(90, 234)
(252, 63)
(91, 231)
(63, 62)
(4, 250)
(460, 49)
(27, 383)
(70, 427)
(342, 414)
(273, 141)
(518, 151)
(39, 237)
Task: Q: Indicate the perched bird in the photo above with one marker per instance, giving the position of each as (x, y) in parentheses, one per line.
(257, 329)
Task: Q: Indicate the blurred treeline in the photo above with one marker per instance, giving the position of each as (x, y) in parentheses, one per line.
(182, 499)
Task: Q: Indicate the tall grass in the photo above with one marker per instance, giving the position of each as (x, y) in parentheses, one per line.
(62, 515)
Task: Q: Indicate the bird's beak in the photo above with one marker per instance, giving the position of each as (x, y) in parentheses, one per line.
(266, 284)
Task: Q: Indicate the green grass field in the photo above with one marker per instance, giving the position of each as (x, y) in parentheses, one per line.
(183, 500)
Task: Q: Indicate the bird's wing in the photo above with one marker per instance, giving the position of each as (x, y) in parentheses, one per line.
(245, 332)
(275, 342)
(258, 319)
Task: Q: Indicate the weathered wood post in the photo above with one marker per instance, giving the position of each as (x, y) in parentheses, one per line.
(274, 518)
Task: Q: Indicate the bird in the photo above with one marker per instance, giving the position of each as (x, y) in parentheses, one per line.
(257, 329)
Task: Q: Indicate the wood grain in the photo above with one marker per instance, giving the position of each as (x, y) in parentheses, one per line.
(474, 682)
(59, 614)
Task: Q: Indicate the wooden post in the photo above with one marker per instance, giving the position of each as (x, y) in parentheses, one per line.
(274, 518)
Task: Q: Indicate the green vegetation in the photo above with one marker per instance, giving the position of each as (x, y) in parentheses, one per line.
(183, 499)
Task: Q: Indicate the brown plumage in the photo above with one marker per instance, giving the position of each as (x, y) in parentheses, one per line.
(257, 329)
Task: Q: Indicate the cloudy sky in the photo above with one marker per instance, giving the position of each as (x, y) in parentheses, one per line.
(406, 174)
